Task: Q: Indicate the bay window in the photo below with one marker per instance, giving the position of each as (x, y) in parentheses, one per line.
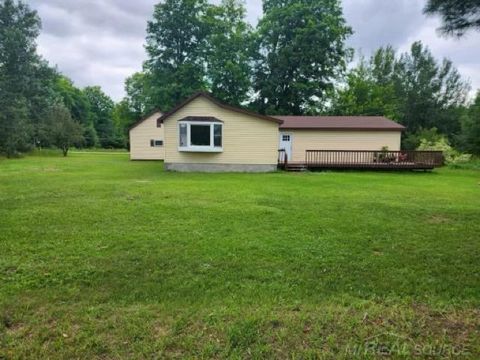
(200, 136)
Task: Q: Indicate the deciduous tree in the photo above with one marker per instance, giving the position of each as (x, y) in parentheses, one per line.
(101, 115)
(469, 139)
(429, 91)
(65, 132)
(413, 88)
(176, 50)
(301, 53)
(229, 50)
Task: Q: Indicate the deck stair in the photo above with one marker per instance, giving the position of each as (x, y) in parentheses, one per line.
(297, 167)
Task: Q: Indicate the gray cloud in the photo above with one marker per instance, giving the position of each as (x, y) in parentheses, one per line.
(100, 42)
(376, 22)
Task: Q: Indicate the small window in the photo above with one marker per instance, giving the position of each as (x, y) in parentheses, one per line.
(156, 143)
(285, 137)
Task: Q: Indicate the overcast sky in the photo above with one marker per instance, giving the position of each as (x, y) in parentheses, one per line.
(100, 42)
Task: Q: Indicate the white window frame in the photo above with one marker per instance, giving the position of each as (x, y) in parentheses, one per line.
(198, 148)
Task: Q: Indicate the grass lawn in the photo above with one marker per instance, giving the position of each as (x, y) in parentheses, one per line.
(105, 258)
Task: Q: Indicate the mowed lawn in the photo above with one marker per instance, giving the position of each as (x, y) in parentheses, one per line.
(105, 258)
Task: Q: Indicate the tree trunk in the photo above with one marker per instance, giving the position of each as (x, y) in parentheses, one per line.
(65, 150)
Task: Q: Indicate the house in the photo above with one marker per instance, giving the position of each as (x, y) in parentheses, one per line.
(203, 134)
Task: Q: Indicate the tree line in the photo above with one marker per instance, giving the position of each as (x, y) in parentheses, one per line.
(295, 61)
(40, 107)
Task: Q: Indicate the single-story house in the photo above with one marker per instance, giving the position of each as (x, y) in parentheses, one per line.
(203, 134)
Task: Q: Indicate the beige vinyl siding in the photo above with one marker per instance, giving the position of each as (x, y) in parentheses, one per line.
(303, 140)
(140, 137)
(246, 139)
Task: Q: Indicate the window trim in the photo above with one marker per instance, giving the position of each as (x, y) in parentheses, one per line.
(200, 148)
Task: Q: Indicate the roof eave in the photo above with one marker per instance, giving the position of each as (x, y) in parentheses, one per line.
(340, 128)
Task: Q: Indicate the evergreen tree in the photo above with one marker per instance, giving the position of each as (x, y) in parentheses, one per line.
(458, 16)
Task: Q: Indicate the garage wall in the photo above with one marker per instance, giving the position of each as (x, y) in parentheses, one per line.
(140, 137)
(247, 140)
(303, 140)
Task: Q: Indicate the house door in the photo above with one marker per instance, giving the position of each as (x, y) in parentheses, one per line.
(286, 144)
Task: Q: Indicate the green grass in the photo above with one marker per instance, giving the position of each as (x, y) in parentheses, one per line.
(105, 258)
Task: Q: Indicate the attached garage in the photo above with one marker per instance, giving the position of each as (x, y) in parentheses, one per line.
(301, 133)
(147, 141)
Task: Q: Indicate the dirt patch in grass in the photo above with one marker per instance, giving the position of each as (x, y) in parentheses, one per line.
(438, 219)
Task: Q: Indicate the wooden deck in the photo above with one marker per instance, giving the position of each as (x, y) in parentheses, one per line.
(362, 159)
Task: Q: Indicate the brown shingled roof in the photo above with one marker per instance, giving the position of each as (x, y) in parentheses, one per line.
(374, 123)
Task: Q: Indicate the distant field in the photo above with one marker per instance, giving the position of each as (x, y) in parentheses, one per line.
(105, 258)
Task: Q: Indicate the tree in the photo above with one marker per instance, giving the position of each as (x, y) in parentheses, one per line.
(413, 89)
(458, 16)
(229, 52)
(101, 115)
(176, 49)
(74, 99)
(19, 62)
(429, 92)
(469, 138)
(64, 130)
(123, 118)
(301, 53)
(369, 88)
(140, 92)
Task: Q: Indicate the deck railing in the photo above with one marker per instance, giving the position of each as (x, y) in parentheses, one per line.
(373, 159)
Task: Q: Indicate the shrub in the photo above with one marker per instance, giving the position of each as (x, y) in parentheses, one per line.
(451, 155)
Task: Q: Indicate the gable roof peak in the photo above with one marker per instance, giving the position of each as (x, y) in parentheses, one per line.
(217, 102)
(143, 118)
